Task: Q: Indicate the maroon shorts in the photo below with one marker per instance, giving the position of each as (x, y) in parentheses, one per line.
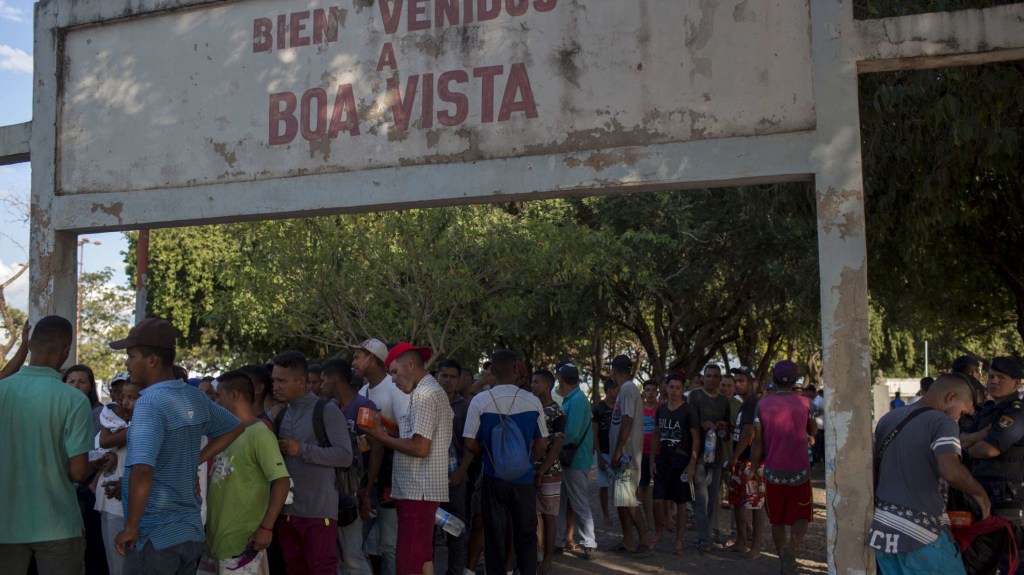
(787, 504)
(415, 544)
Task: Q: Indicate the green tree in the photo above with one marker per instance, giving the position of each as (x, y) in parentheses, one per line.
(106, 315)
(945, 210)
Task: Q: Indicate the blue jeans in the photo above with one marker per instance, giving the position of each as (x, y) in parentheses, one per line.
(940, 557)
(707, 489)
(180, 559)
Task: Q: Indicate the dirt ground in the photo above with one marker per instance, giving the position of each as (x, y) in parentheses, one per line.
(812, 559)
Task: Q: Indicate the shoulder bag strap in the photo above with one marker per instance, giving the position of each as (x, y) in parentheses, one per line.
(319, 427)
(890, 438)
(278, 420)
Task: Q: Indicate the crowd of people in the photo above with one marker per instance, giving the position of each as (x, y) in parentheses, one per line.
(367, 467)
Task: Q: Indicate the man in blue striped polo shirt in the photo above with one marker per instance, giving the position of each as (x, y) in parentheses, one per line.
(163, 530)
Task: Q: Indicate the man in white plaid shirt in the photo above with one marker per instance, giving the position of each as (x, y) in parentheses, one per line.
(420, 479)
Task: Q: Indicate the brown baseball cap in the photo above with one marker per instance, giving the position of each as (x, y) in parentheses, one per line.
(152, 332)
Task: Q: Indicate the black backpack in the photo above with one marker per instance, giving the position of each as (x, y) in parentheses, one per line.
(348, 480)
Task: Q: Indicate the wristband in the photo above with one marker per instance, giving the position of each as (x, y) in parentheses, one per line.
(266, 528)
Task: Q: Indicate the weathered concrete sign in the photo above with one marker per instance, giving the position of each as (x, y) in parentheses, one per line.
(264, 89)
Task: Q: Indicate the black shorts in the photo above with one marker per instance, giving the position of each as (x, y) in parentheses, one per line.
(669, 487)
(645, 470)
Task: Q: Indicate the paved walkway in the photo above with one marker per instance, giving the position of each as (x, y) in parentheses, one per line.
(812, 562)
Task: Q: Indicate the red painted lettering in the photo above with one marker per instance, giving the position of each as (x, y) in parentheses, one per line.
(544, 5)
(484, 13)
(295, 29)
(459, 99)
(446, 9)
(391, 16)
(262, 35)
(325, 25)
(282, 26)
(387, 57)
(344, 105)
(401, 107)
(279, 115)
(427, 116)
(418, 16)
(487, 90)
(517, 7)
(319, 95)
(467, 10)
(518, 83)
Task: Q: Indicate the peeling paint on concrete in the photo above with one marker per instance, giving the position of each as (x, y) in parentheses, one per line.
(228, 156)
(599, 161)
(743, 13)
(114, 210)
(322, 147)
(361, 4)
(831, 213)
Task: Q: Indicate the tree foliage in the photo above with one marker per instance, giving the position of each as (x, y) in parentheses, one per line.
(678, 278)
(943, 173)
(106, 315)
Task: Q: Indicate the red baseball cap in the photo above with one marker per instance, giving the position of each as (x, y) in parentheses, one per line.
(402, 348)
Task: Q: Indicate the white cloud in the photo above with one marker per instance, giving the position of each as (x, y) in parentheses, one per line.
(14, 59)
(16, 294)
(9, 12)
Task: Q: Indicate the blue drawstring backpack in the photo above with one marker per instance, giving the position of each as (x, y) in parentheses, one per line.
(509, 452)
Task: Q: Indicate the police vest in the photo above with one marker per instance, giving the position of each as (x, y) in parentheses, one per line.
(1001, 476)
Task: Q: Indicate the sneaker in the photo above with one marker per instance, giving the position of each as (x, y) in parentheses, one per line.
(588, 554)
(704, 548)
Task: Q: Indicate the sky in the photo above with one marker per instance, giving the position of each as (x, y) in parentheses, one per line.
(15, 181)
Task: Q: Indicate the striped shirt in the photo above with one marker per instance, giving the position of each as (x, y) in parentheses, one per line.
(168, 424)
(910, 499)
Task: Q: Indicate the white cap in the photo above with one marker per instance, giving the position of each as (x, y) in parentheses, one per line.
(374, 346)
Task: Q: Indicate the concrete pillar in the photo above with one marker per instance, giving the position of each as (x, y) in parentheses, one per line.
(842, 255)
(53, 278)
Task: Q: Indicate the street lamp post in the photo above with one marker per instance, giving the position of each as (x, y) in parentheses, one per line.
(81, 267)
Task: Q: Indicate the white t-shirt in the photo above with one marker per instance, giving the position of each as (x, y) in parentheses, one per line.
(392, 402)
(111, 422)
(818, 404)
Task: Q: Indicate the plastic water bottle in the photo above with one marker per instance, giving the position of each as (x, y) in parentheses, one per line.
(709, 446)
(451, 524)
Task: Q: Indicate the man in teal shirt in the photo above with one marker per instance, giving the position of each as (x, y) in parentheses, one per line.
(574, 477)
(49, 433)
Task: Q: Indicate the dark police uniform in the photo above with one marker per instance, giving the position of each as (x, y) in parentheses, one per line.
(1002, 476)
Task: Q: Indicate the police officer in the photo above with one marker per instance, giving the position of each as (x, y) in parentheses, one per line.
(996, 441)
